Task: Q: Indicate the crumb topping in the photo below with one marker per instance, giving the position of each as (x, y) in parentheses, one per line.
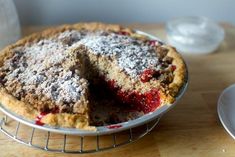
(44, 68)
(133, 56)
(39, 69)
(70, 37)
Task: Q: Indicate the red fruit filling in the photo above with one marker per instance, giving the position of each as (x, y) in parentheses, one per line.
(147, 75)
(152, 42)
(123, 33)
(42, 114)
(173, 67)
(146, 102)
(39, 118)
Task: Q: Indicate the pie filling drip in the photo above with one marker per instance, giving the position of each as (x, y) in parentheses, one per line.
(45, 75)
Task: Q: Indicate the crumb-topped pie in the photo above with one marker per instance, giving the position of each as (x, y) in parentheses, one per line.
(47, 76)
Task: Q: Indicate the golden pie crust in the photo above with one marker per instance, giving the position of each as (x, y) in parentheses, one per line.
(78, 120)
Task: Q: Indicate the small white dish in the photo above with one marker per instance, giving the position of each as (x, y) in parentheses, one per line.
(226, 109)
(194, 35)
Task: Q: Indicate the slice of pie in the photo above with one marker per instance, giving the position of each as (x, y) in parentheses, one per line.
(46, 77)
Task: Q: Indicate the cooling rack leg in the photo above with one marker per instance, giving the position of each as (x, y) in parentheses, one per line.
(64, 144)
(97, 143)
(114, 140)
(2, 121)
(47, 140)
(31, 137)
(5, 119)
(81, 143)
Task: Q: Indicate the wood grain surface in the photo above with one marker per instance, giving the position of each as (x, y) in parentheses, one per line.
(191, 128)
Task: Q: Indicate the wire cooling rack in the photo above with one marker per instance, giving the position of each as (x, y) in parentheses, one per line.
(65, 140)
(55, 142)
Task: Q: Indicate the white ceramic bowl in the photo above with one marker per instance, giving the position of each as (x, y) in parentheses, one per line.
(194, 35)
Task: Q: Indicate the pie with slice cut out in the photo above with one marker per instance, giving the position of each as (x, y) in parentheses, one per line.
(46, 76)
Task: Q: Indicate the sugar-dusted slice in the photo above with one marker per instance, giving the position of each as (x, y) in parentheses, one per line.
(41, 80)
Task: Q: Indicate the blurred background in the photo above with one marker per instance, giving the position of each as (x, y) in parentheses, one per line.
(50, 12)
(185, 34)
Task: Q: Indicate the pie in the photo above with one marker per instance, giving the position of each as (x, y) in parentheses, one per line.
(47, 76)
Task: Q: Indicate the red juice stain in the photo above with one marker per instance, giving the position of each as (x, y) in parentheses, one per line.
(39, 118)
(42, 114)
(152, 42)
(111, 83)
(116, 126)
(123, 33)
(173, 67)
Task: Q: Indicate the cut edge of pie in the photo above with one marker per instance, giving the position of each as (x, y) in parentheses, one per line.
(81, 121)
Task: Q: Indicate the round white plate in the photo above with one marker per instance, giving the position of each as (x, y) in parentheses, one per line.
(226, 109)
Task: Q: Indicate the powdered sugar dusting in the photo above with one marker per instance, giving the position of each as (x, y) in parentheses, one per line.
(133, 56)
(64, 88)
(46, 51)
(38, 68)
(70, 37)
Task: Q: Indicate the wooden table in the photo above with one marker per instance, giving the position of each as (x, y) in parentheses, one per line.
(192, 128)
